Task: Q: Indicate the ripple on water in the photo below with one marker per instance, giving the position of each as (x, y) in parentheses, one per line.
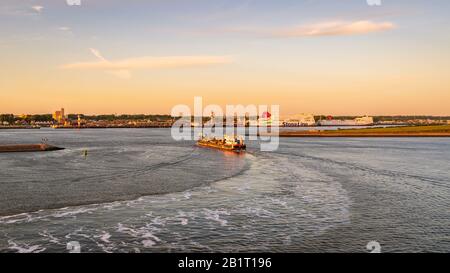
(278, 202)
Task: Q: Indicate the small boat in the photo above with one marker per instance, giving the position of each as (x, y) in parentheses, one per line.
(227, 143)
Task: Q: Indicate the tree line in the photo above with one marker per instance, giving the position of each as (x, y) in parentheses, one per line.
(10, 118)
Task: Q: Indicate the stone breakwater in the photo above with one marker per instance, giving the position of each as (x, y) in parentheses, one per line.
(28, 148)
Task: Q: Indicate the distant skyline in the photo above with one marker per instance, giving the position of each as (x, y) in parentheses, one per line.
(144, 57)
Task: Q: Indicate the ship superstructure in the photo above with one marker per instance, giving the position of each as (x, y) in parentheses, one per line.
(228, 143)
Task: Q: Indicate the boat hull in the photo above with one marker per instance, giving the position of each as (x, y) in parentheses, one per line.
(235, 149)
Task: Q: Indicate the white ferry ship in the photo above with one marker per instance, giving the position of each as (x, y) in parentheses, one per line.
(299, 120)
(362, 121)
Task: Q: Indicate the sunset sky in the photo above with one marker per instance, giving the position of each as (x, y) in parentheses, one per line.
(337, 57)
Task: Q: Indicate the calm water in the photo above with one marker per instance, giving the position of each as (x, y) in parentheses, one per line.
(139, 191)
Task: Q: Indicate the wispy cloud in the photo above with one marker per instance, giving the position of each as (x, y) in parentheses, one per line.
(327, 28)
(337, 28)
(64, 28)
(16, 9)
(67, 31)
(123, 68)
(37, 9)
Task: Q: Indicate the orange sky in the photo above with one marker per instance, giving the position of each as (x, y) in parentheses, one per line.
(330, 62)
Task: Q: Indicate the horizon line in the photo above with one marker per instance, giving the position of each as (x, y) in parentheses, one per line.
(168, 114)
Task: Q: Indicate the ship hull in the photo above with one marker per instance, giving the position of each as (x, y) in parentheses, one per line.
(230, 148)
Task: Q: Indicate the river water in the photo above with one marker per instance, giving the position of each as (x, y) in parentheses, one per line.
(137, 190)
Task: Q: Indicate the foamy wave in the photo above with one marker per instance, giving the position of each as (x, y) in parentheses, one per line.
(105, 237)
(280, 203)
(142, 232)
(148, 243)
(50, 237)
(187, 195)
(25, 248)
(61, 213)
(18, 218)
(215, 215)
(258, 211)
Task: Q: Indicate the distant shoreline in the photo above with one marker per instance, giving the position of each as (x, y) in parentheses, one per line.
(18, 127)
(410, 131)
(322, 135)
(371, 132)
